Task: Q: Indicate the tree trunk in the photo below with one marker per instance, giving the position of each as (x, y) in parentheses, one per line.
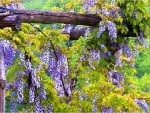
(2, 83)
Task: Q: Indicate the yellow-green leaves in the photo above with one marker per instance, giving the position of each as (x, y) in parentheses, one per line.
(119, 102)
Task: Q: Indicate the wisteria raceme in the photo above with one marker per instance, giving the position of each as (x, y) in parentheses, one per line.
(13, 108)
(113, 13)
(19, 89)
(118, 61)
(116, 78)
(64, 65)
(9, 56)
(101, 29)
(111, 29)
(107, 110)
(143, 104)
(127, 50)
(49, 109)
(28, 67)
(91, 2)
(94, 55)
(38, 107)
(58, 85)
(34, 79)
(45, 56)
(31, 94)
(22, 60)
(42, 93)
(105, 11)
(58, 68)
(52, 64)
(34, 83)
(83, 57)
(87, 4)
(8, 51)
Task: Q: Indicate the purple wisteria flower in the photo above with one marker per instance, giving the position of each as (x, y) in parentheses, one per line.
(111, 29)
(31, 94)
(9, 52)
(127, 50)
(38, 107)
(101, 29)
(19, 89)
(107, 110)
(143, 104)
(87, 4)
(118, 61)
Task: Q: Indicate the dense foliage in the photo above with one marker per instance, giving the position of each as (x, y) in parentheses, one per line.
(48, 72)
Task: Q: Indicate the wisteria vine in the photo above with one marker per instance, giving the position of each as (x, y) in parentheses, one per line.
(58, 66)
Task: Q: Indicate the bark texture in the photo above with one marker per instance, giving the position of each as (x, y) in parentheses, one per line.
(12, 21)
(2, 83)
(46, 17)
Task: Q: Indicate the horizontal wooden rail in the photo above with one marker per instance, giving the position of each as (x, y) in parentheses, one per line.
(47, 17)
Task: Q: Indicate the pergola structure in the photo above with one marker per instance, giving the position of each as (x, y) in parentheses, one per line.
(14, 17)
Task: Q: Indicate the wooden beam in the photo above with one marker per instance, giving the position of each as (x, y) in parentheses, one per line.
(47, 17)
(12, 21)
(75, 33)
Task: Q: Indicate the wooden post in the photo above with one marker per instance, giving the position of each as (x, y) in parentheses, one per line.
(2, 83)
